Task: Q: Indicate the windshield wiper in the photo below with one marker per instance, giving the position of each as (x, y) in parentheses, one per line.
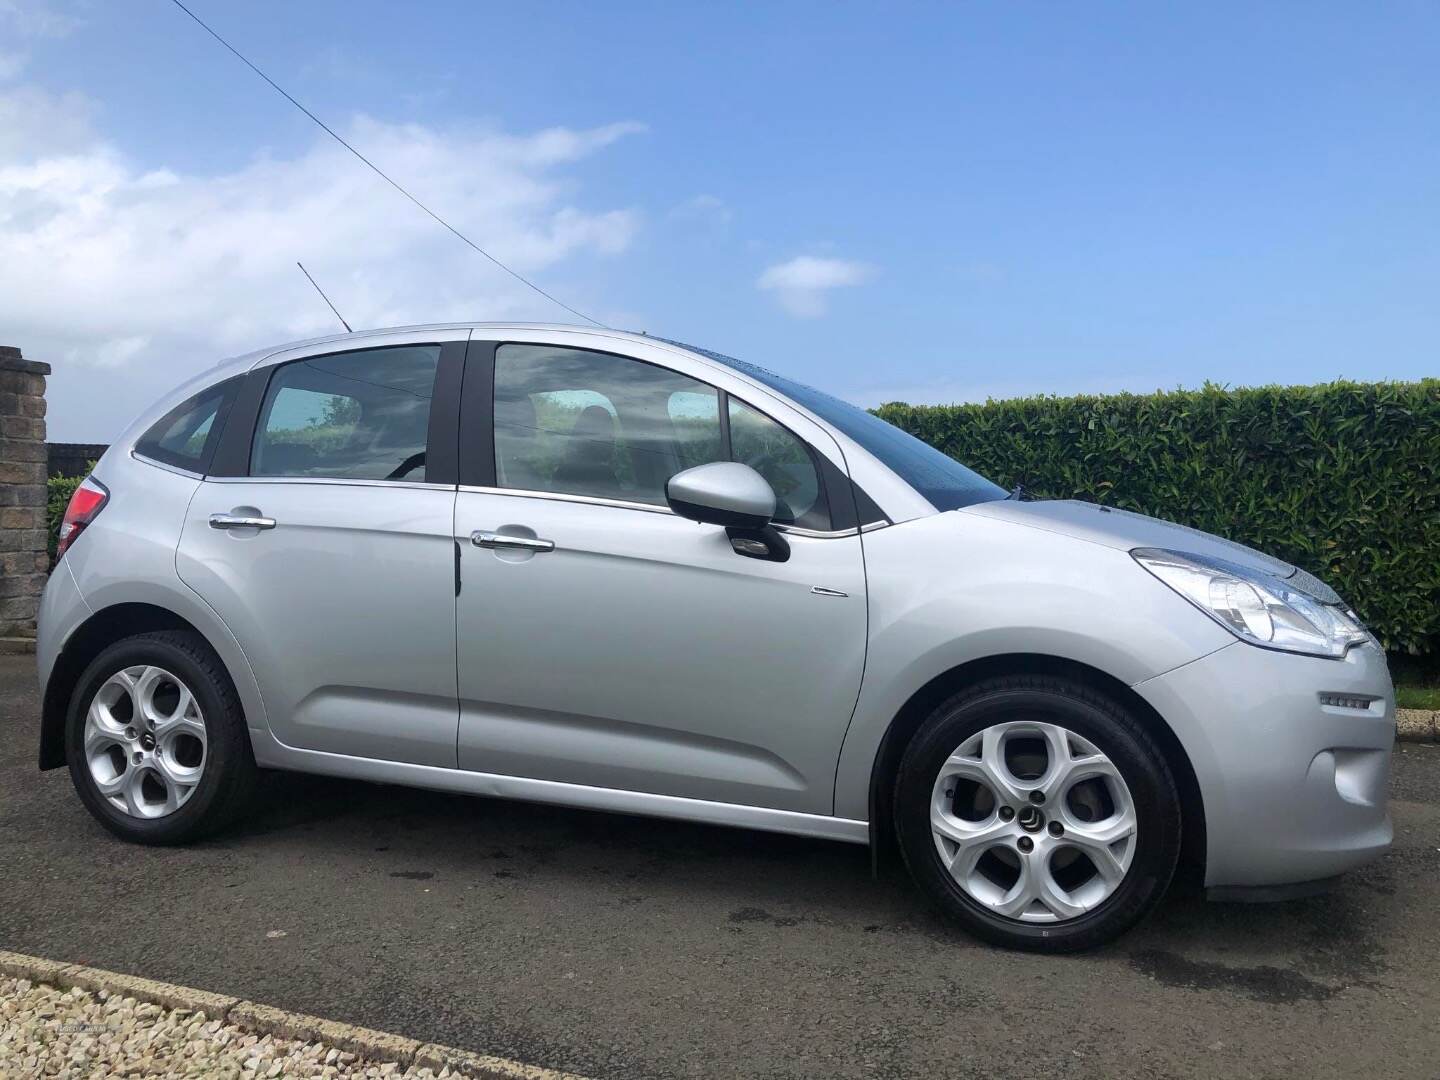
(1017, 494)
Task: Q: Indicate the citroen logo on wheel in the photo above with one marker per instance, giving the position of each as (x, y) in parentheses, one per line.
(1031, 818)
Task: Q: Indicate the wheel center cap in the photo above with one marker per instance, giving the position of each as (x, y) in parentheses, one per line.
(147, 741)
(1031, 818)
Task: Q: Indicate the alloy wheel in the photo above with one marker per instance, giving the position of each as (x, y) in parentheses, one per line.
(145, 742)
(1033, 822)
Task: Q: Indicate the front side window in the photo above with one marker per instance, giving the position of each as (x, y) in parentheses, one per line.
(585, 423)
(185, 436)
(947, 484)
(360, 415)
(609, 427)
(784, 461)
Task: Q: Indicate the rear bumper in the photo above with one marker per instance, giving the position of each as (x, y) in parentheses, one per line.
(1294, 788)
(62, 609)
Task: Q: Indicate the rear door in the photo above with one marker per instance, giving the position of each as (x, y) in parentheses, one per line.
(604, 641)
(327, 549)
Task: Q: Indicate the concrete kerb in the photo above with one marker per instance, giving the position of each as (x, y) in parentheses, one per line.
(378, 1046)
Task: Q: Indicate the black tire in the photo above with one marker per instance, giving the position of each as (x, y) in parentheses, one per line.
(228, 779)
(1094, 717)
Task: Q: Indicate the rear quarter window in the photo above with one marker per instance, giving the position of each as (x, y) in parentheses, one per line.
(186, 436)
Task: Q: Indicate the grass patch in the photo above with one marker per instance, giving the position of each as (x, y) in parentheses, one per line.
(1417, 681)
(1417, 697)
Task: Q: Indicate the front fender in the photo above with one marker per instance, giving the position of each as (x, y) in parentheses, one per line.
(953, 589)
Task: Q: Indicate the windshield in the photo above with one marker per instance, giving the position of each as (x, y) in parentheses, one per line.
(943, 481)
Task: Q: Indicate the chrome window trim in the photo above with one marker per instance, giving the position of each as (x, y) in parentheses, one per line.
(166, 466)
(817, 534)
(331, 481)
(651, 508)
(561, 496)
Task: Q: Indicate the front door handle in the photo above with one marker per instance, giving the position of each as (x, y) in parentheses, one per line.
(240, 521)
(484, 539)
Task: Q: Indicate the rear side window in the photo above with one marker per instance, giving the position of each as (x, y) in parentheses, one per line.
(361, 415)
(186, 436)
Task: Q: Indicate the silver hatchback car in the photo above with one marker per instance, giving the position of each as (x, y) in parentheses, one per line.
(617, 572)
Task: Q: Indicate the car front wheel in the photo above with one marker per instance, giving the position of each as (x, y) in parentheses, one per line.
(1038, 813)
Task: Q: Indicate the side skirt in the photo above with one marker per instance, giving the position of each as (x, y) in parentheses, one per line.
(525, 789)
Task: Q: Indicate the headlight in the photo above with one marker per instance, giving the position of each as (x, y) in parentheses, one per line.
(1254, 606)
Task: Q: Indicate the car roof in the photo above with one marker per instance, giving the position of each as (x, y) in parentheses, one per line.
(360, 335)
(245, 361)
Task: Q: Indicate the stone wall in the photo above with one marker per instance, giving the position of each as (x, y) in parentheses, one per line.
(23, 558)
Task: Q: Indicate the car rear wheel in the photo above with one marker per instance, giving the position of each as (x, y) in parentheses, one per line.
(156, 741)
(1039, 813)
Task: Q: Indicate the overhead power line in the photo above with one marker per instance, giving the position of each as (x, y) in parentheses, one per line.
(379, 171)
(324, 297)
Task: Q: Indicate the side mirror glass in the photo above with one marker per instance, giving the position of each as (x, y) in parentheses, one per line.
(722, 493)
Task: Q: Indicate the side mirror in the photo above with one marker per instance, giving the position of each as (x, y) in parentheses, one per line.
(734, 495)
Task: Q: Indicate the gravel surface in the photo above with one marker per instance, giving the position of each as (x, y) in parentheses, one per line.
(60, 1033)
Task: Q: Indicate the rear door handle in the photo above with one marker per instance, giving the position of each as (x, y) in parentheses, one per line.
(240, 521)
(484, 539)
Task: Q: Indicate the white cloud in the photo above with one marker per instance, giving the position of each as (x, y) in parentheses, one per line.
(802, 285)
(24, 21)
(36, 18)
(129, 278)
(35, 125)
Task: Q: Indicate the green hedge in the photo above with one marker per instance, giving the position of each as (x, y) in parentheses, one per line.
(1342, 479)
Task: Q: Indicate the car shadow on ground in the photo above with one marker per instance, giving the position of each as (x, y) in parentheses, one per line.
(1297, 950)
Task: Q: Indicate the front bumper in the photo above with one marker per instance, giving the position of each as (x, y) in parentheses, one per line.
(1294, 787)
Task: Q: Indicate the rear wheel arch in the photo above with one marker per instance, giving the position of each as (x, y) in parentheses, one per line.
(90, 638)
(920, 704)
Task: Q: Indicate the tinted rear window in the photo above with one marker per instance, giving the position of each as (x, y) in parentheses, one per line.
(362, 415)
(186, 436)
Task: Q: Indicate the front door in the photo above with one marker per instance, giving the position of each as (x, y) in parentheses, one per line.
(331, 558)
(604, 641)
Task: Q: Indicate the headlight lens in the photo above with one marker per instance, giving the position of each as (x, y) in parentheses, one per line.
(1254, 606)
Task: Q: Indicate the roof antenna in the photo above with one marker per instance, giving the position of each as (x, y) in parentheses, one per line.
(324, 297)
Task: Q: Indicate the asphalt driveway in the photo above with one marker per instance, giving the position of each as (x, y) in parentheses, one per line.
(626, 947)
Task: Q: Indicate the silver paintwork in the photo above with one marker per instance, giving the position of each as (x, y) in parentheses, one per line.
(146, 757)
(730, 487)
(612, 661)
(1058, 829)
(378, 671)
(642, 666)
(588, 797)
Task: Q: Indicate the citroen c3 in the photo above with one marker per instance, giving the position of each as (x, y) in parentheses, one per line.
(616, 572)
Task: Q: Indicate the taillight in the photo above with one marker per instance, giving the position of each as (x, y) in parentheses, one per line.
(89, 499)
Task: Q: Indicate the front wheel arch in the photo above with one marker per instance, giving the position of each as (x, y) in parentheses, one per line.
(883, 847)
(89, 639)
